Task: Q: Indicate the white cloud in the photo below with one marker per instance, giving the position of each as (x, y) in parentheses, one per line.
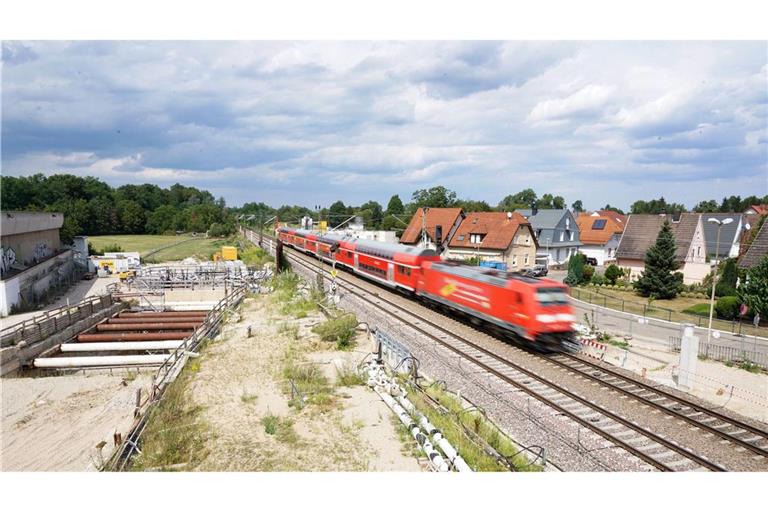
(585, 100)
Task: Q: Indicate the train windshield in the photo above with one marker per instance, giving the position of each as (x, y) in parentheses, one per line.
(551, 296)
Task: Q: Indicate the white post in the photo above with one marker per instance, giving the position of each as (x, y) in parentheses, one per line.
(714, 282)
(689, 353)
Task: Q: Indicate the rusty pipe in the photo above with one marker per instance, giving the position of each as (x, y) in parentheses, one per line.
(158, 326)
(154, 314)
(173, 319)
(135, 336)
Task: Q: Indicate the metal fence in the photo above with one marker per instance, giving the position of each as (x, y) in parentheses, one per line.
(747, 352)
(42, 326)
(168, 372)
(670, 315)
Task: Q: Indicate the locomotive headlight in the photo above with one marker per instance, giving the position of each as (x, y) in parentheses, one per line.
(546, 319)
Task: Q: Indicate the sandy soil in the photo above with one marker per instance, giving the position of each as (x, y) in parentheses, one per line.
(55, 423)
(239, 383)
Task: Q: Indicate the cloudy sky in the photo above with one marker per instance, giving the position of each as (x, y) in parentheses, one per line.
(310, 122)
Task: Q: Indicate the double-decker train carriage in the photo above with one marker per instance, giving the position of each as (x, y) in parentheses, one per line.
(536, 310)
(394, 265)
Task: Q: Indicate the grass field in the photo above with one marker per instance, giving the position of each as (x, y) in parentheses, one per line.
(629, 302)
(141, 243)
(163, 247)
(201, 248)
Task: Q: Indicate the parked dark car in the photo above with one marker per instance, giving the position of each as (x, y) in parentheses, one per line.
(536, 271)
(592, 261)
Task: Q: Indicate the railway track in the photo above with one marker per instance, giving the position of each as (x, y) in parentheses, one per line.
(721, 425)
(655, 450)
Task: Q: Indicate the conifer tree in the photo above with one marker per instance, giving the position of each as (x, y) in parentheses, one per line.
(659, 279)
(575, 270)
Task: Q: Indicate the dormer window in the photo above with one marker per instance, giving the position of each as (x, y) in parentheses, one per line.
(475, 238)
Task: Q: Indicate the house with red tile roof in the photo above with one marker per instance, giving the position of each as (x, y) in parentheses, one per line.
(495, 236)
(600, 236)
(424, 230)
(618, 218)
(757, 209)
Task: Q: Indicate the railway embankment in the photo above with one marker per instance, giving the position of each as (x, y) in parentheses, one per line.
(269, 393)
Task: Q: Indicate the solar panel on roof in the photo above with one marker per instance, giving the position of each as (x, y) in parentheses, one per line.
(599, 224)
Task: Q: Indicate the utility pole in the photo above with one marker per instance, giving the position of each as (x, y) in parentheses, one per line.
(720, 224)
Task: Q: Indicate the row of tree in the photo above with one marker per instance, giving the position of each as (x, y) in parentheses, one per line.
(92, 207)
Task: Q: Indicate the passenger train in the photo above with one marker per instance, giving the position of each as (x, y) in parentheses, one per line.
(535, 310)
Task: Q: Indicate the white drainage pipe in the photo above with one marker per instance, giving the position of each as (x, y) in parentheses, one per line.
(387, 388)
(450, 452)
(118, 346)
(77, 362)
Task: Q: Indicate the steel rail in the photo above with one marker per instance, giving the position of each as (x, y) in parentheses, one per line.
(668, 408)
(686, 453)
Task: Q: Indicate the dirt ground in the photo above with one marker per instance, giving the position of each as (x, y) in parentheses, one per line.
(239, 383)
(55, 423)
(83, 289)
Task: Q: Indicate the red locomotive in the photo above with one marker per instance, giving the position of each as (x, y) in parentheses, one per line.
(537, 310)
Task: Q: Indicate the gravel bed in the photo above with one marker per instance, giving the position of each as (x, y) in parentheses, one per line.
(569, 446)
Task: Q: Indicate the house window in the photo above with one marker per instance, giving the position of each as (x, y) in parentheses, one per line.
(525, 261)
(571, 236)
(475, 238)
(567, 223)
(514, 260)
(698, 251)
(527, 239)
(561, 237)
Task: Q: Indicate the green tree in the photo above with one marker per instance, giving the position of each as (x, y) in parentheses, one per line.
(754, 291)
(610, 208)
(521, 200)
(469, 205)
(726, 284)
(337, 213)
(435, 197)
(162, 220)
(659, 278)
(706, 206)
(372, 214)
(546, 202)
(575, 270)
(613, 273)
(558, 202)
(395, 206)
(578, 206)
(132, 217)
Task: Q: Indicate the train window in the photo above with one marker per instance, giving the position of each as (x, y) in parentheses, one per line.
(551, 296)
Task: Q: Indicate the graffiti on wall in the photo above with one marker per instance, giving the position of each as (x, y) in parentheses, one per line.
(7, 258)
(41, 252)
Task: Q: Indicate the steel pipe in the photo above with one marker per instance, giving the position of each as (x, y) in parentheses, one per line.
(135, 336)
(159, 326)
(155, 314)
(174, 319)
(119, 346)
(77, 362)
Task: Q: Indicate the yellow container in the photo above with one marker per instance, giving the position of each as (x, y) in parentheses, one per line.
(229, 253)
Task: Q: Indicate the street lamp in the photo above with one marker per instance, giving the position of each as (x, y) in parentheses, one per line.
(720, 224)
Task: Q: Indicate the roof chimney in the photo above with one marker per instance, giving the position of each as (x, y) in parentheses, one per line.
(534, 208)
